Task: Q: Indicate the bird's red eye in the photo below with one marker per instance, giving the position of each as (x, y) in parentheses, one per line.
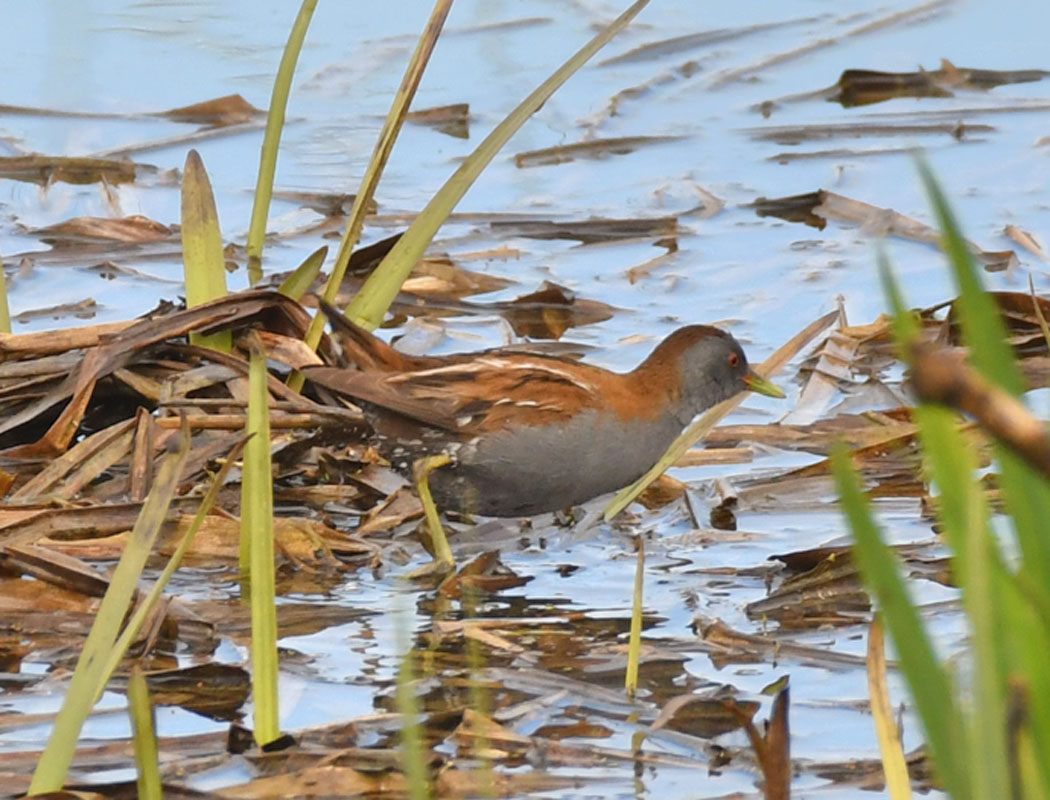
(734, 359)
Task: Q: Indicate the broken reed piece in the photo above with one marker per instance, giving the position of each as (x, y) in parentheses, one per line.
(941, 375)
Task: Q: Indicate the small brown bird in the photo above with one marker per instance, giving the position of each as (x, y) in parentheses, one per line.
(518, 433)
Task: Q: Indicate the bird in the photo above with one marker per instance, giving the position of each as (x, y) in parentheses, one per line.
(510, 433)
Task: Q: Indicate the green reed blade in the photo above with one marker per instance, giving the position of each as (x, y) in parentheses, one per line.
(369, 306)
(144, 737)
(257, 550)
(203, 262)
(90, 675)
(282, 86)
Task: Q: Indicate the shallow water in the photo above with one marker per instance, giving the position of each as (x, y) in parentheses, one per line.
(763, 276)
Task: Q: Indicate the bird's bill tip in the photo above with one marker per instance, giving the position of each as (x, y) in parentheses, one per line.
(756, 383)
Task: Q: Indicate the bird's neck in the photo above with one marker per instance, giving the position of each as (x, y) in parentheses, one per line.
(658, 380)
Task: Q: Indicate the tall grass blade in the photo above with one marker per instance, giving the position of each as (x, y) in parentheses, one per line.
(894, 766)
(149, 602)
(1037, 307)
(413, 757)
(944, 726)
(982, 325)
(382, 285)
(950, 463)
(981, 599)
(257, 550)
(144, 737)
(1009, 623)
(302, 278)
(905, 326)
(1026, 494)
(395, 118)
(776, 756)
(1031, 767)
(282, 86)
(89, 675)
(634, 642)
(478, 696)
(5, 311)
(202, 258)
(1025, 625)
(962, 508)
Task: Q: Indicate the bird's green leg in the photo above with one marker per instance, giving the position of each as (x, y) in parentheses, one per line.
(421, 472)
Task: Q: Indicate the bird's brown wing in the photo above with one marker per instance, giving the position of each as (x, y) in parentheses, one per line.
(486, 393)
(373, 388)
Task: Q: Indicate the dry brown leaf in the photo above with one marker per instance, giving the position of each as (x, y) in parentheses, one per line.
(592, 148)
(591, 231)
(440, 278)
(82, 309)
(861, 87)
(550, 311)
(135, 229)
(727, 646)
(320, 782)
(400, 507)
(278, 313)
(19, 596)
(816, 208)
(304, 542)
(705, 714)
(45, 170)
(662, 491)
(1027, 241)
(453, 119)
(215, 690)
(484, 574)
(230, 109)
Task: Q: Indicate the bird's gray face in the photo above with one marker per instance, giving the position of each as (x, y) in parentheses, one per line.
(713, 369)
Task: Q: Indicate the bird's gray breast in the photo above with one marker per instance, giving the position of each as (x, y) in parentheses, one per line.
(525, 471)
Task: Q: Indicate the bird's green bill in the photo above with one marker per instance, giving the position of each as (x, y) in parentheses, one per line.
(756, 383)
